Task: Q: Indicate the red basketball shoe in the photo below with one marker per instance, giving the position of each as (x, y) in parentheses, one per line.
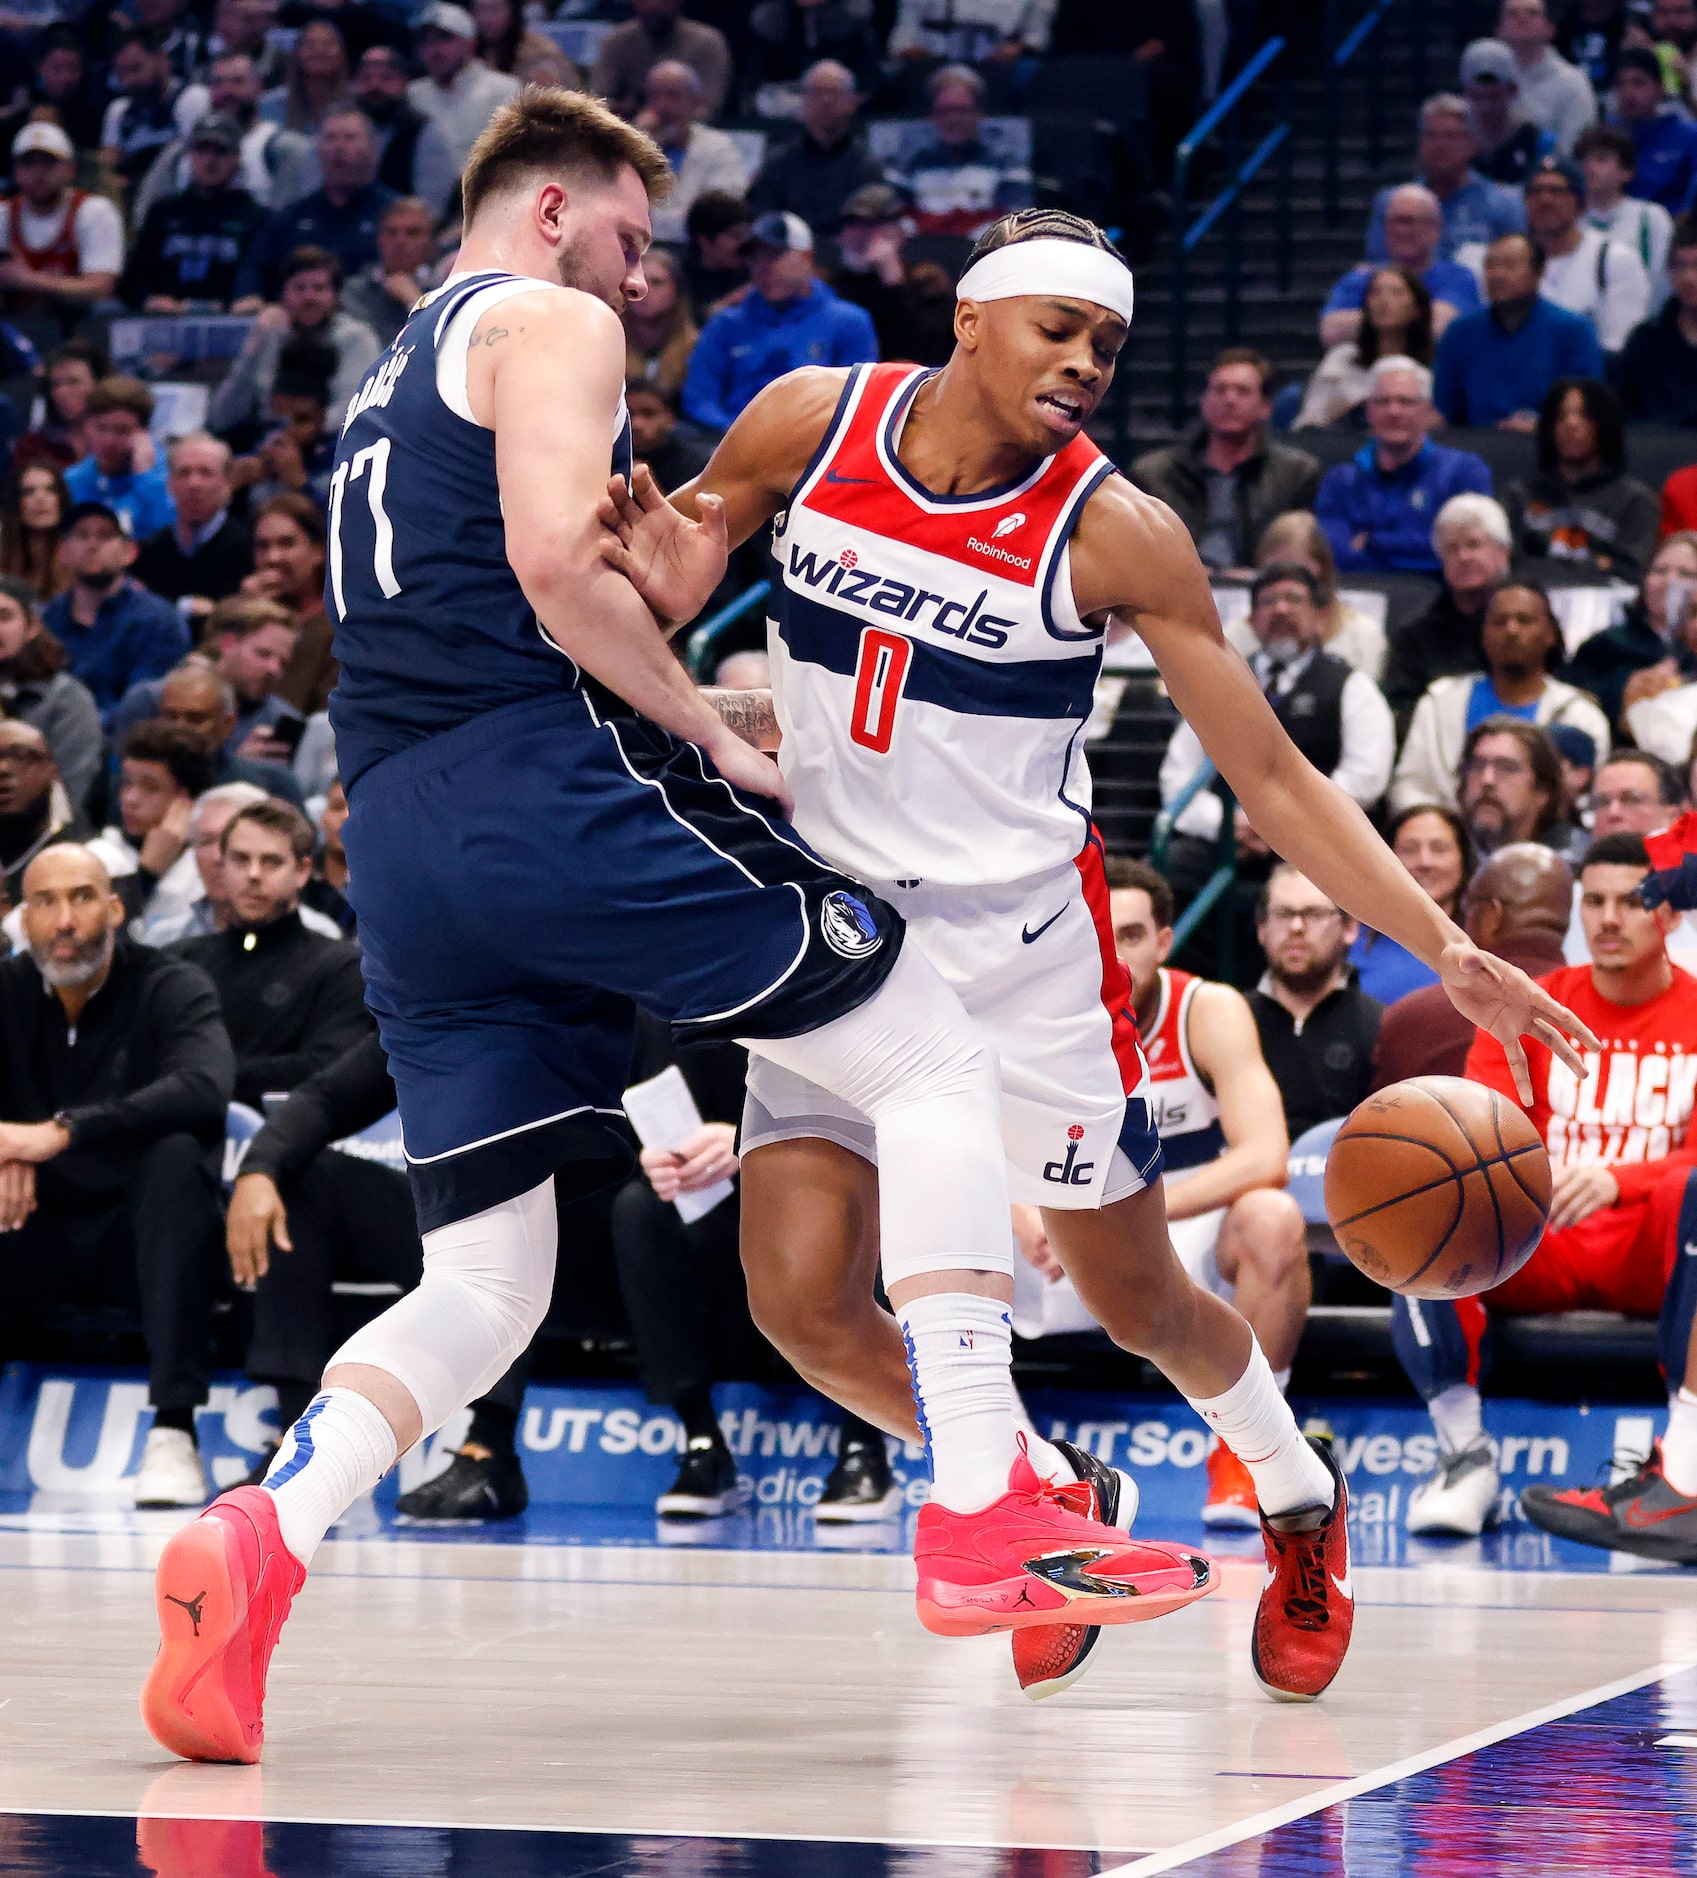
(1032, 1556)
(224, 1586)
(1230, 1499)
(1307, 1609)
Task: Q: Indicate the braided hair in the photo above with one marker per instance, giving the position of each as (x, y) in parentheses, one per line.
(1040, 225)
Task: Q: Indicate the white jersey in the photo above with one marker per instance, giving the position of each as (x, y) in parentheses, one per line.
(930, 672)
(1185, 1110)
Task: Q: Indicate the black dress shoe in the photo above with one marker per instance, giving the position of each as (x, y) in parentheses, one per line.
(859, 1488)
(471, 1491)
(707, 1486)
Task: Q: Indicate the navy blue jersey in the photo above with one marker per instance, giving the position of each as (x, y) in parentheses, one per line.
(432, 627)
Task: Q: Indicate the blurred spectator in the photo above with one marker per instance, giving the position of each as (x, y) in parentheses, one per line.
(63, 246)
(1588, 36)
(504, 42)
(703, 159)
(972, 30)
(119, 411)
(317, 80)
(1396, 321)
(383, 294)
(1228, 477)
(116, 1085)
(35, 807)
(164, 767)
(36, 689)
(1511, 787)
(1165, 40)
(413, 155)
(1656, 373)
(1509, 142)
(1665, 137)
(248, 644)
(1673, 26)
(660, 334)
(655, 32)
(1607, 155)
(1584, 271)
(1578, 754)
(205, 553)
(1659, 701)
(58, 419)
(288, 567)
(1432, 844)
(59, 92)
(1679, 504)
(308, 306)
(1581, 506)
(292, 1000)
(207, 819)
(277, 165)
(191, 243)
(791, 319)
(114, 631)
(297, 454)
(787, 37)
(717, 264)
(674, 456)
(1522, 643)
(1317, 1030)
(153, 108)
(1345, 631)
(1495, 366)
(1377, 508)
(1473, 540)
(1473, 209)
(458, 93)
(1516, 906)
(1555, 95)
(33, 508)
(325, 896)
(181, 34)
(817, 171)
(911, 305)
(1650, 650)
(958, 184)
(242, 28)
(340, 217)
(1413, 223)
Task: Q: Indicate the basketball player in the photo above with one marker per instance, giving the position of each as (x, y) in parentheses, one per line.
(529, 858)
(950, 548)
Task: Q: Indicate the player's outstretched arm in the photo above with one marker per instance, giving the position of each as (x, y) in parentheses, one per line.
(1226, 1048)
(545, 372)
(672, 550)
(1132, 557)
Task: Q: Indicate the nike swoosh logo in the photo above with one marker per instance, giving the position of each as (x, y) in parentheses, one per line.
(831, 476)
(1634, 1518)
(1344, 1586)
(1029, 936)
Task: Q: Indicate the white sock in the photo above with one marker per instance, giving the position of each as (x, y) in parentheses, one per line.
(340, 1448)
(1457, 1416)
(1255, 1422)
(1679, 1444)
(958, 1350)
(1047, 1461)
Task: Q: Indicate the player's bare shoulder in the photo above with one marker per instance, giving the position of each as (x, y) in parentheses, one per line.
(1132, 556)
(550, 327)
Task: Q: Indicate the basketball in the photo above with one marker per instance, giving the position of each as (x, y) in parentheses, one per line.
(1438, 1188)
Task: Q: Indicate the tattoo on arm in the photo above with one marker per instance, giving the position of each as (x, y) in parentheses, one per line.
(487, 336)
(748, 713)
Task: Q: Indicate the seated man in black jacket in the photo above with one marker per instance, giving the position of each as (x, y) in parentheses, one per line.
(293, 1001)
(114, 1089)
(188, 248)
(331, 1216)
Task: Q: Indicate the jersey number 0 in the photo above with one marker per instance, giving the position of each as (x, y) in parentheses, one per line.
(879, 674)
(371, 464)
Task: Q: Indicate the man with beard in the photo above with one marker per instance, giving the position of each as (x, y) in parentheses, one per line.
(1317, 1030)
(1510, 785)
(415, 159)
(34, 809)
(114, 1107)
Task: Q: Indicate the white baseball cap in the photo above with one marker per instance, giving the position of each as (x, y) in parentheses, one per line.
(447, 18)
(44, 140)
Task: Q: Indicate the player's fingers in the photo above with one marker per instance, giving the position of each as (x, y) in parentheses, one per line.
(1551, 1037)
(646, 490)
(711, 510)
(1517, 1067)
(1564, 1020)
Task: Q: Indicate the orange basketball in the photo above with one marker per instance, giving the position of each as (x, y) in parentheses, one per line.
(1438, 1188)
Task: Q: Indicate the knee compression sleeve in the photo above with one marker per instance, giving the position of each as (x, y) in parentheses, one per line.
(915, 1062)
(486, 1285)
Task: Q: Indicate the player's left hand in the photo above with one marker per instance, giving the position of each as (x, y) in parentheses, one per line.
(1581, 1191)
(672, 562)
(1501, 999)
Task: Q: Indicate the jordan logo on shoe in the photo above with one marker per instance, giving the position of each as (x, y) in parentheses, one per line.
(191, 1605)
(1070, 1574)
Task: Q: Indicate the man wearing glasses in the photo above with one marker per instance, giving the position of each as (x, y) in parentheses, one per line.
(1511, 787)
(1317, 1030)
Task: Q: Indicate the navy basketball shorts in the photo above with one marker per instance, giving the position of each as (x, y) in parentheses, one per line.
(523, 882)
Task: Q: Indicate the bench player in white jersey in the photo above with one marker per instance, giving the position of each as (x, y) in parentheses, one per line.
(950, 550)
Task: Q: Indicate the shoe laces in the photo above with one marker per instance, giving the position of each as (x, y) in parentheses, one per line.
(1634, 1470)
(1307, 1606)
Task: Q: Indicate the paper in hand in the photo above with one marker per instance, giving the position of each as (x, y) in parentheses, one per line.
(664, 1115)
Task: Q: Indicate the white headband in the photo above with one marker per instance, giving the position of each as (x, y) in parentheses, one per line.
(1050, 267)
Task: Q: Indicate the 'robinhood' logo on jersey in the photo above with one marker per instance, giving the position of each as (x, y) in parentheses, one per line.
(865, 587)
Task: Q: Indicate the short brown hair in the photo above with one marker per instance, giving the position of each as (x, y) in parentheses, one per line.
(1245, 355)
(121, 394)
(282, 818)
(310, 259)
(178, 750)
(1125, 875)
(549, 128)
(242, 618)
(301, 510)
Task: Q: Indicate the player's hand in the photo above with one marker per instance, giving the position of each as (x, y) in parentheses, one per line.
(257, 1220)
(707, 1157)
(672, 562)
(748, 769)
(1501, 999)
(17, 1194)
(1581, 1191)
(1032, 1238)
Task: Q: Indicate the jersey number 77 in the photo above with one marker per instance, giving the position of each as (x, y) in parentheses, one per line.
(372, 466)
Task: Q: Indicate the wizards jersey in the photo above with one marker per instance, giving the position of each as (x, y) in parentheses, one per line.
(1187, 1116)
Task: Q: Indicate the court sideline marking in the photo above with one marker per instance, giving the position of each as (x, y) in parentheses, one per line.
(1343, 1790)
